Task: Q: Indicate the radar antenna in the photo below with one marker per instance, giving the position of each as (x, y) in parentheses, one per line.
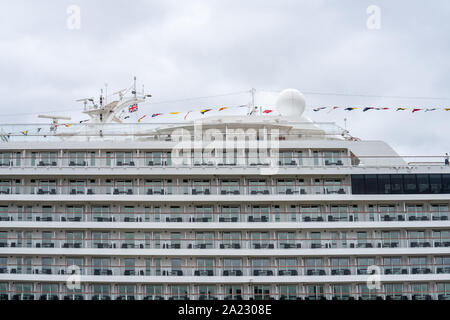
(55, 119)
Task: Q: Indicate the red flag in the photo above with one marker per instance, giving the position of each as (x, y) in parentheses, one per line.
(187, 114)
(267, 111)
(414, 110)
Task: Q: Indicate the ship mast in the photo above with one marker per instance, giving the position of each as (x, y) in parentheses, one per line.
(251, 108)
(109, 112)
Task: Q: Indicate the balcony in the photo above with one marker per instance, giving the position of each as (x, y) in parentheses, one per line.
(100, 297)
(232, 272)
(395, 271)
(203, 272)
(262, 272)
(49, 297)
(289, 272)
(103, 272)
(315, 272)
(340, 271)
(420, 270)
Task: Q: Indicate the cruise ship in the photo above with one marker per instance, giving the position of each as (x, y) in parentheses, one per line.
(233, 207)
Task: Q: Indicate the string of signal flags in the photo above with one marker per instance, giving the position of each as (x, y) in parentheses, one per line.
(266, 110)
(365, 109)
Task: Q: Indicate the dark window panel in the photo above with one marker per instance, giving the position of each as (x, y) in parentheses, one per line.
(384, 184)
(396, 183)
(446, 183)
(371, 186)
(400, 184)
(435, 183)
(410, 183)
(423, 183)
(358, 184)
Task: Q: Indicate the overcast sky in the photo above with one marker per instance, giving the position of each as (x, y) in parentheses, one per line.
(184, 49)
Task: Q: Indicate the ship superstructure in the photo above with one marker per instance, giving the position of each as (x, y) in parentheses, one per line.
(233, 207)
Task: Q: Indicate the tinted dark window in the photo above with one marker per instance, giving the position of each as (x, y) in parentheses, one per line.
(371, 186)
(358, 184)
(423, 183)
(435, 183)
(409, 183)
(384, 183)
(400, 184)
(446, 183)
(396, 183)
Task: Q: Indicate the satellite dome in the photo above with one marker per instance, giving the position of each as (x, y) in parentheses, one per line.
(291, 103)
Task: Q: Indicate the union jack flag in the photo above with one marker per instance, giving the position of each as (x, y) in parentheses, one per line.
(133, 108)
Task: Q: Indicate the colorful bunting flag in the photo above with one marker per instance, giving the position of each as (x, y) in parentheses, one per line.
(400, 109)
(318, 109)
(140, 119)
(350, 109)
(133, 108)
(367, 108)
(416, 109)
(267, 111)
(447, 109)
(156, 114)
(430, 109)
(173, 112)
(25, 132)
(204, 111)
(223, 108)
(187, 114)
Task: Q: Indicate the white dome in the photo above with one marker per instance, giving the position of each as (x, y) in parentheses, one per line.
(291, 103)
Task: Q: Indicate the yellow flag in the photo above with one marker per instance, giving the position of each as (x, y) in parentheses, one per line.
(223, 108)
(173, 112)
(447, 109)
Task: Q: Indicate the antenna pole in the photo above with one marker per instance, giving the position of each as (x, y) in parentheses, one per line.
(252, 105)
(106, 93)
(134, 87)
(101, 97)
(253, 97)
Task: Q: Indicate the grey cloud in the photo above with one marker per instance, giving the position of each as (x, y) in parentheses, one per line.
(200, 48)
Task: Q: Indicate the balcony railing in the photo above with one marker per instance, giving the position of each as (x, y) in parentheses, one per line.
(175, 189)
(227, 271)
(270, 295)
(268, 215)
(222, 243)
